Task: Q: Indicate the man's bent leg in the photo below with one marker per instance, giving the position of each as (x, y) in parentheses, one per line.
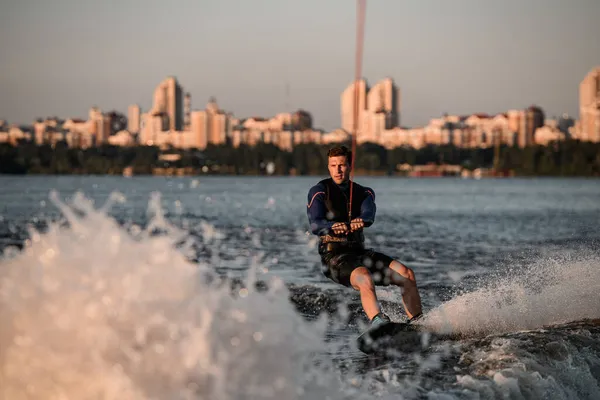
(405, 277)
(361, 280)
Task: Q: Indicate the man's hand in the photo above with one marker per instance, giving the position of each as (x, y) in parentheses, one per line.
(339, 228)
(356, 224)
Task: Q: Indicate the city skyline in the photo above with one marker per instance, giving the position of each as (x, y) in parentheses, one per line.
(252, 60)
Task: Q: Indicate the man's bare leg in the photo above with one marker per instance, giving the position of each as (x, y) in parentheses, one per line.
(410, 294)
(361, 280)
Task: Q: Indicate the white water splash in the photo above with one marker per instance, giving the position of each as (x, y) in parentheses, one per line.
(516, 368)
(91, 311)
(555, 290)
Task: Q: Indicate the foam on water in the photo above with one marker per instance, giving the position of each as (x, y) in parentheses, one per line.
(516, 344)
(90, 310)
(534, 367)
(560, 288)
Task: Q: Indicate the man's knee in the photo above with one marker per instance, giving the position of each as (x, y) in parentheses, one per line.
(361, 279)
(401, 275)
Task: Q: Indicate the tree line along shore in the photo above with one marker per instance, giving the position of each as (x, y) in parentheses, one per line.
(564, 158)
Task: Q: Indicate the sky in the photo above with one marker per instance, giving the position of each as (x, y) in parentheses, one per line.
(262, 57)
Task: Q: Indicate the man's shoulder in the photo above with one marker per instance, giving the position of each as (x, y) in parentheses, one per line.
(315, 191)
(321, 186)
(363, 187)
(369, 191)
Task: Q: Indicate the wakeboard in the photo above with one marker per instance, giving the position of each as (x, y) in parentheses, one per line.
(393, 336)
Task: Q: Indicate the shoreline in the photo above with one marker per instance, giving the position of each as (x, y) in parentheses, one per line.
(362, 175)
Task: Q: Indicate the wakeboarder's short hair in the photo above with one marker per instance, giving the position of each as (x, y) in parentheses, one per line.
(340, 151)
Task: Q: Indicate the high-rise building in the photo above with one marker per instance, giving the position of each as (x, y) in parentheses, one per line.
(97, 125)
(301, 120)
(514, 121)
(106, 128)
(168, 99)
(383, 98)
(589, 106)
(533, 118)
(348, 100)
(198, 128)
(210, 126)
(378, 109)
(218, 128)
(133, 118)
(187, 109)
(217, 123)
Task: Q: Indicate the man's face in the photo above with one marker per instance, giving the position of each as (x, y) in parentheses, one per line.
(339, 169)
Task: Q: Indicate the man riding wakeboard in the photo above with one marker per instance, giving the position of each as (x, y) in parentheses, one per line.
(341, 240)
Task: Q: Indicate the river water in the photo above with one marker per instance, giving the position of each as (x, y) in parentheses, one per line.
(211, 288)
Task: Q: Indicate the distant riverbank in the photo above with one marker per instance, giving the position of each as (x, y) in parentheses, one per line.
(559, 159)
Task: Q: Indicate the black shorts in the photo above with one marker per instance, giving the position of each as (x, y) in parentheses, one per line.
(338, 264)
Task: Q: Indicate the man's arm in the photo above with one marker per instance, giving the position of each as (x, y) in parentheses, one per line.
(368, 208)
(317, 211)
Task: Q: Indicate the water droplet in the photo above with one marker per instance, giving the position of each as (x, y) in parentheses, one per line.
(22, 341)
(91, 311)
(135, 230)
(279, 383)
(377, 277)
(239, 315)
